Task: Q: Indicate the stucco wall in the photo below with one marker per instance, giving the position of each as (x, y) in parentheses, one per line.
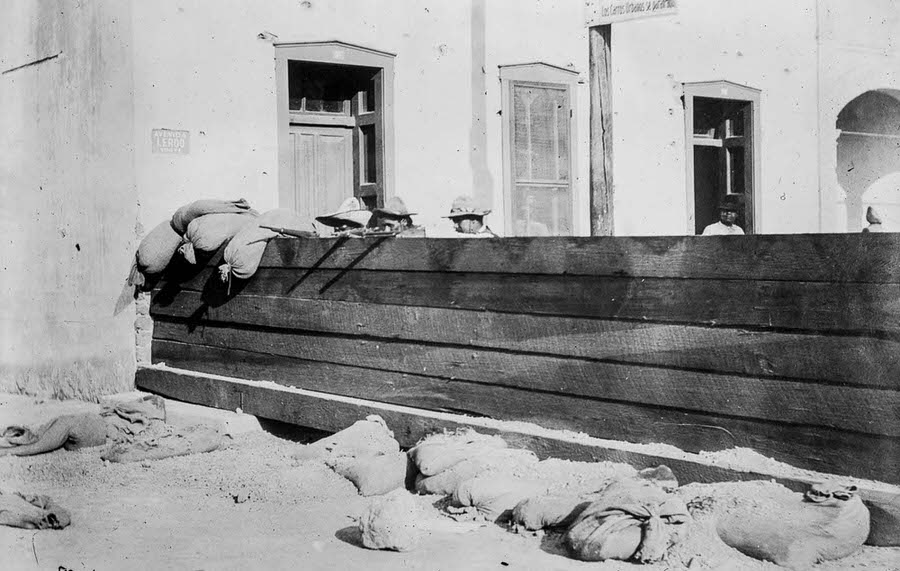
(859, 52)
(68, 194)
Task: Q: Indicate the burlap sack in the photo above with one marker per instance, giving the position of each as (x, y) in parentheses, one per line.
(630, 519)
(496, 495)
(547, 511)
(830, 522)
(393, 521)
(437, 452)
(369, 437)
(372, 475)
(207, 233)
(495, 460)
(154, 253)
(31, 511)
(244, 252)
(187, 213)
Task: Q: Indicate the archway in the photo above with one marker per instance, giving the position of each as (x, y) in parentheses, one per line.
(868, 150)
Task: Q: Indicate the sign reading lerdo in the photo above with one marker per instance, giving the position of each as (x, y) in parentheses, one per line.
(170, 142)
(599, 12)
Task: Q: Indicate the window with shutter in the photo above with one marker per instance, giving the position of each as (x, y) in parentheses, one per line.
(538, 150)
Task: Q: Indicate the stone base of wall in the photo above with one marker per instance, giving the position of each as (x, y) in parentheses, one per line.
(143, 329)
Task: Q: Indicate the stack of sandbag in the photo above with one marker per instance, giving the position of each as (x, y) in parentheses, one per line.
(245, 250)
(157, 248)
(365, 453)
(207, 233)
(792, 530)
(631, 519)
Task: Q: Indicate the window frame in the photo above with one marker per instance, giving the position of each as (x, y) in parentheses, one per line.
(538, 74)
(733, 91)
(338, 53)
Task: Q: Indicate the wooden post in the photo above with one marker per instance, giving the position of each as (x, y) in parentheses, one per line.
(601, 130)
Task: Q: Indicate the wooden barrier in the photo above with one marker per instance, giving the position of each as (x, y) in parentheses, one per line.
(789, 345)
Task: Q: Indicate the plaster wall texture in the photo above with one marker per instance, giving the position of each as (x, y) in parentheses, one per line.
(69, 199)
(859, 52)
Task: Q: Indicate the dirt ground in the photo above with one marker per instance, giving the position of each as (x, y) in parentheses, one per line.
(253, 506)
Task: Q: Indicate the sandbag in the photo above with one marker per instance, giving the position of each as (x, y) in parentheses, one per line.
(244, 252)
(207, 233)
(187, 213)
(437, 452)
(495, 495)
(829, 522)
(630, 519)
(372, 475)
(31, 511)
(547, 511)
(195, 439)
(392, 522)
(154, 253)
(497, 460)
(367, 437)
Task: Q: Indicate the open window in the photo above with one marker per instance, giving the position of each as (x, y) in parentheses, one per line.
(538, 142)
(335, 125)
(721, 143)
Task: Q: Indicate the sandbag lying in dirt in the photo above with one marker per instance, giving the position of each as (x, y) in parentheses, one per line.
(372, 475)
(154, 253)
(369, 437)
(187, 213)
(244, 252)
(495, 460)
(208, 233)
(31, 511)
(630, 519)
(437, 452)
(548, 511)
(796, 531)
(391, 522)
(495, 495)
(190, 440)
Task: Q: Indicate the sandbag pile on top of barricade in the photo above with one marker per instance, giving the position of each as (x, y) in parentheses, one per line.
(205, 225)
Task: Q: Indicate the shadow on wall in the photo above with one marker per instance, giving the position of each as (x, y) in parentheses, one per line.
(868, 155)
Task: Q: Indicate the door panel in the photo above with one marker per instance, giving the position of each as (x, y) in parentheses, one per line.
(322, 167)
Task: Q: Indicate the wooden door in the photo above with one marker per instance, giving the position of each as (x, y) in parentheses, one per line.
(321, 167)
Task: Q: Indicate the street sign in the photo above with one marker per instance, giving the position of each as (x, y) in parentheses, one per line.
(170, 142)
(600, 12)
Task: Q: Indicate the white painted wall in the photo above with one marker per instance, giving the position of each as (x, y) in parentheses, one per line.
(69, 202)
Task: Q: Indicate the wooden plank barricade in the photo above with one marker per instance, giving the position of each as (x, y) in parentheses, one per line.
(788, 345)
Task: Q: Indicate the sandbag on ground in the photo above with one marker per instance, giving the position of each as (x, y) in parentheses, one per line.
(392, 522)
(372, 475)
(190, 440)
(630, 519)
(154, 253)
(495, 495)
(792, 530)
(31, 511)
(244, 252)
(367, 437)
(495, 460)
(189, 212)
(208, 233)
(548, 511)
(437, 452)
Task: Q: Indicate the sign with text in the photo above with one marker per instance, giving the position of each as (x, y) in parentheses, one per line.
(170, 142)
(600, 12)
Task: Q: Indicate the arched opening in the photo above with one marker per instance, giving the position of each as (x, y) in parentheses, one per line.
(868, 152)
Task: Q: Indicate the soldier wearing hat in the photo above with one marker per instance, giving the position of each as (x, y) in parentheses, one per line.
(393, 217)
(349, 219)
(468, 219)
(728, 211)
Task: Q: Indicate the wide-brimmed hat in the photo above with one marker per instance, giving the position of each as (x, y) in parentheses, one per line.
(394, 207)
(349, 212)
(465, 206)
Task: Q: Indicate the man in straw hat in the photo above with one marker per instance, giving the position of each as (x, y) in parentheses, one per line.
(348, 220)
(728, 210)
(394, 217)
(468, 219)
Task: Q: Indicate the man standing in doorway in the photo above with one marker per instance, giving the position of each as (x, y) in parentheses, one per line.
(728, 211)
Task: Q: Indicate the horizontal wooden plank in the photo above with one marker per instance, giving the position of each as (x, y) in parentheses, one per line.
(869, 308)
(853, 360)
(863, 410)
(410, 424)
(816, 448)
(873, 258)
